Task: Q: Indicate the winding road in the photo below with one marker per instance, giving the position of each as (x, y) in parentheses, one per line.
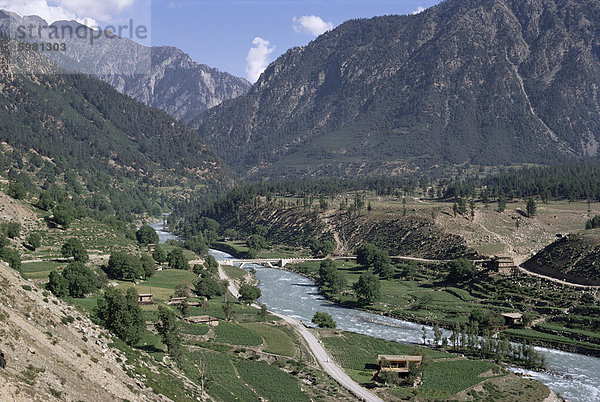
(317, 350)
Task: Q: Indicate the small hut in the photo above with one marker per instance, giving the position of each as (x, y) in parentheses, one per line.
(503, 265)
(203, 319)
(397, 363)
(513, 319)
(145, 298)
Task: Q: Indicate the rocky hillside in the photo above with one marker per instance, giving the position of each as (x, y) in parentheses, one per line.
(161, 77)
(55, 353)
(573, 258)
(482, 81)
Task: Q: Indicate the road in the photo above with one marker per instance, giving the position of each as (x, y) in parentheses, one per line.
(318, 351)
(549, 278)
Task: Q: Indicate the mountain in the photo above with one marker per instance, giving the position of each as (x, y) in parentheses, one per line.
(108, 146)
(162, 77)
(488, 82)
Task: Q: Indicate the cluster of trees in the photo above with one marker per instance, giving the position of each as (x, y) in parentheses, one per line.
(469, 339)
(460, 270)
(12, 230)
(75, 280)
(369, 256)
(323, 320)
(572, 181)
(121, 314)
(593, 223)
(321, 248)
(129, 267)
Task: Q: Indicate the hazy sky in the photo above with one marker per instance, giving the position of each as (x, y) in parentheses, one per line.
(237, 36)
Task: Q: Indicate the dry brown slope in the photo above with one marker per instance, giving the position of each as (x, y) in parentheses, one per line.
(49, 358)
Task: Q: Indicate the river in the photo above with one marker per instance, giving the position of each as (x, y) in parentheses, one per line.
(573, 376)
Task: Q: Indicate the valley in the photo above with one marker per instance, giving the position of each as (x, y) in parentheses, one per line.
(398, 203)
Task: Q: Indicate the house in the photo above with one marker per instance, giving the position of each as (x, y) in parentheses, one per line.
(503, 265)
(151, 247)
(512, 319)
(397, 363)
(203, 319)
(145, 299)
(176, 301)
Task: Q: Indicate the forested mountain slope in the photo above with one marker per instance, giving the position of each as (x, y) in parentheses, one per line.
(55, 124)
(482, 81)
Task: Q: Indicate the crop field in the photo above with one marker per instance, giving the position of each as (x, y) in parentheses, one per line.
(234, 272)
(444, 375)
(236, 335)
(278, 340)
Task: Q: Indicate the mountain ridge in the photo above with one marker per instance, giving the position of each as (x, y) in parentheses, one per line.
(162, 76)
(488, 82)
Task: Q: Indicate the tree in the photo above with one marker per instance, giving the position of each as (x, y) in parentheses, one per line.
(211, 264)
(460, 270)
(17, 191)
(12, 229)
(264, 312)
(11, 257)
(124, 266)
(437, 335)
(367, 288)
(228, 310)
(57, 284)
(331, 277)
(424, 334)
(501, 203)
(177, 260)
(45, 201)
(249, 293)
(146, 235)
(323, 320)
(148, 265)
(366, 254)
(209, 287)
(121, 314)
(74, 248)
(34, 240)
(159, 254)
(80, 279)
(256, 242)
(531, 207)
(64, 214)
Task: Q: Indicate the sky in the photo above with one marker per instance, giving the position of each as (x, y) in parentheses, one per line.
(240, 37)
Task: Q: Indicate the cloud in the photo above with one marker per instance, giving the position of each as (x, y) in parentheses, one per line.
(83, 11)
(100, 9)
(311, 25)
(418, 10)
(258, 58)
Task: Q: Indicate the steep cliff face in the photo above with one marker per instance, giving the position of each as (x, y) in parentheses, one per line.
(179, 85)
(161, 77)
(481, 81)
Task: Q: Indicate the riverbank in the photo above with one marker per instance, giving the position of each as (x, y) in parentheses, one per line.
(320, 354)
(292, 295)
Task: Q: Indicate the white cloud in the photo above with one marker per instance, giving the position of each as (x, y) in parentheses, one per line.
(311, 25)
(100, 9)
(418, 10)
(258, 58)
(83, 11)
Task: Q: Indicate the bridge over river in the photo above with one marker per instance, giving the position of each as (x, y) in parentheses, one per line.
(282, 262)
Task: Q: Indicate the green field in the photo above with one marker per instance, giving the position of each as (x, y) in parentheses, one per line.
(444, 374)
(426, 297)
